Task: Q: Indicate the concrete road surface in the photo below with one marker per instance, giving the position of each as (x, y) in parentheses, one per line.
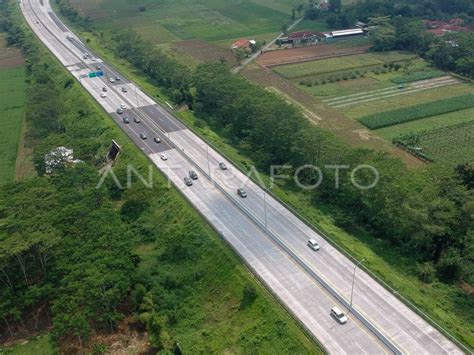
(269, 238)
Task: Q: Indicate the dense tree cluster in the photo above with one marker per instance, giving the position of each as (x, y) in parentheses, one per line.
(453, 52)
(64, 250)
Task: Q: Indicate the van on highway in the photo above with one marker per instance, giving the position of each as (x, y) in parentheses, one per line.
(313, 244)
(337, 313)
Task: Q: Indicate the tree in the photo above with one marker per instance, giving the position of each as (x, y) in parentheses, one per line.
(240, 55)
(335, 5)
(384, 37)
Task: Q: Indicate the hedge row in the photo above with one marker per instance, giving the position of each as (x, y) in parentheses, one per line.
(411, 113)
(421, 75)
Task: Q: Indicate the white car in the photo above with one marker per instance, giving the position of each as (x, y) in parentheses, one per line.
(112, 80)
(123, 106)
(103, 95)
(163, 156)
(313, 244)
(337, 313)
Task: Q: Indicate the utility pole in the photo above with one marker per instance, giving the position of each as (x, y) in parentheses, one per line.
(208, 163)
(353, 277)
(136, 95)
(265, 207)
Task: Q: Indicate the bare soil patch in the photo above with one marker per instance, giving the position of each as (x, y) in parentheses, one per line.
(10, 57)
(205, 51)
(304, 54)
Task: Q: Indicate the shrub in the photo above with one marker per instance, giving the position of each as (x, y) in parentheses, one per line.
(426, 272)
(249, 295)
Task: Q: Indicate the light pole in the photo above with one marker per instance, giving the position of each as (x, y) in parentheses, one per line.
(353, 277)
(265, 207)
(208, 163)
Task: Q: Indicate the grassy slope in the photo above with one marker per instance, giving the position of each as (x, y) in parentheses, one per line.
(212, 308)
(41, 345)
(12, 98)
(448, 305)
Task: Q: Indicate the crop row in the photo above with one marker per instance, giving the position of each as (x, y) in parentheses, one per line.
(348, 75)
(420, 75)
(452, 144)
(293, 71)
(411, 113)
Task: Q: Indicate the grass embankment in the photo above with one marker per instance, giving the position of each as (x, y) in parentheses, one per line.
(12, 107)
(200, 292)
(449, 305)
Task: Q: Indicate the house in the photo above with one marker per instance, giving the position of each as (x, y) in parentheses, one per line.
(59, 157)
(344, 34)
(302, 37)
(243, 43)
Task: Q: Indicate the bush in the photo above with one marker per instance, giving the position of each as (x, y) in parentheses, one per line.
(426, 272)
(249, 295)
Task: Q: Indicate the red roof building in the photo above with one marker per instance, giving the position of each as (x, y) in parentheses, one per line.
(241, 43)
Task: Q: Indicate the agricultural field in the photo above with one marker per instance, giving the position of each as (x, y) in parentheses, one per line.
(451, 145)
(398, 96)
(12, 98)
(164, 21)
(324, 66)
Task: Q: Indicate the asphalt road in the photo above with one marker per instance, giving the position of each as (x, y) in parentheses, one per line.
(240, 221)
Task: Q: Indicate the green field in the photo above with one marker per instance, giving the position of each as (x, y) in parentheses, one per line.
(448, 145)
(428, 123)
(301, 70)
(416, 112)
(41, 345)
(12, 99)
(212, 20)
(408, 97)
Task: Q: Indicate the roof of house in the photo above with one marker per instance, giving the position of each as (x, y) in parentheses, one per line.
(241, 43)
(352, 31)
(301, 35)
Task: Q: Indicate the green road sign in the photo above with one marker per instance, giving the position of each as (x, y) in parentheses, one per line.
(92, 75)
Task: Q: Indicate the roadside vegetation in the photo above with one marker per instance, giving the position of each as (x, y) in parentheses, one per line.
(83, 262)
(12, 102)
(415, 227)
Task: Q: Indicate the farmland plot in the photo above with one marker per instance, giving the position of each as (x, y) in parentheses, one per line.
(340, 63)
(449, 145)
